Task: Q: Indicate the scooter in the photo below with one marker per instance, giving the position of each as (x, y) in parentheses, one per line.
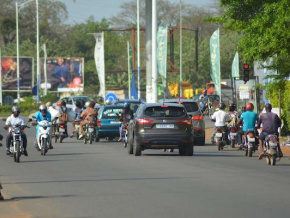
(250, 143)
(77, 127)
(219, 138)
(90, 132)
(125, 135)
(16, 146)
(271, 154)
(44, 136)
(60, 132)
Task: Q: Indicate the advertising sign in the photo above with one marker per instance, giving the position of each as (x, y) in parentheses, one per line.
(9, 73)
(64, 74)
(215, 61)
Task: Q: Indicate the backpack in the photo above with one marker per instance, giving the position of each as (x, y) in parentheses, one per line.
(63, 116)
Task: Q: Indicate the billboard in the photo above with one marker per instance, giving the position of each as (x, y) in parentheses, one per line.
(64, 74)
(9, 73)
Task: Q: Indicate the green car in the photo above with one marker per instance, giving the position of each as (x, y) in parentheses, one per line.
(108, 121)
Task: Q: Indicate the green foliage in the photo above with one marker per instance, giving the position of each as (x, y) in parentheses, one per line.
(273, 95)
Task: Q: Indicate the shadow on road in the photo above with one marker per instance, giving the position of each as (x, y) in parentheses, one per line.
(43, 160)
(17, 198)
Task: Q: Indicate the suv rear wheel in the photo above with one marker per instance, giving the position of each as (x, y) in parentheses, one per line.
(136, 148)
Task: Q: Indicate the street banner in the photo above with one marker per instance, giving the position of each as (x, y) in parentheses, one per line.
(100, 61)
(9, 73)
(215, 61)
(130, 68)
(162, 53)
(134, 93)
(235, 66)
(63, 74)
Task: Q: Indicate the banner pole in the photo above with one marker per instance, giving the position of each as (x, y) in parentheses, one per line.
(220, 65)
(129, 71)
(1, 78)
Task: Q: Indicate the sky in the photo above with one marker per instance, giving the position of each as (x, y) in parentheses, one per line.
(80, 10)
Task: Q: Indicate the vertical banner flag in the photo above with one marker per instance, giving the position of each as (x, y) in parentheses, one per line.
(215, 61)
(162, 54)
(100, 61)
(130, 68)
(235, 66)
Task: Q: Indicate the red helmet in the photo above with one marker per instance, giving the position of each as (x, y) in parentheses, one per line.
(59, 103)
(249, 107)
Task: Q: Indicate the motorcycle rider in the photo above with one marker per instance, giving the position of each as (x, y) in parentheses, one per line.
(11, 121)
(78, 110)
(270, 125)
(63, 117)
(241, 132)
(220, 117)
(249, 120)
(54, 114)
(126, 116)
(89, 115)
(42, 114)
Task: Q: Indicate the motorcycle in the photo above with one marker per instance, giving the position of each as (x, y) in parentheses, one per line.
(232, 131)
(77, 127)
(60, 132)
(44, 136)
(90, 133)
(125, 135)
(219, 138)
(271, 144)
(16, 146)
(250, 143)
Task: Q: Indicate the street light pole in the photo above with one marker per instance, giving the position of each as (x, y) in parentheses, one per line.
(17, 47)
(37, 47)
(180, 82)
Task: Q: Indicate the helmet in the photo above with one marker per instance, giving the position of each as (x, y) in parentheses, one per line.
(48, 104)
(59, 103)
(126, 105)
(87, 104)
(42, 107)
(108, 102)
(92, 104)
(79, 104)
(222, 106)
(15, 109)
(249, 107)
(232, 107)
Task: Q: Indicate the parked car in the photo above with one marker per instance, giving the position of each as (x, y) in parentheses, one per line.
(134, 104)
(160, 126)
(71, 100)
(108, 122)
(198, 124)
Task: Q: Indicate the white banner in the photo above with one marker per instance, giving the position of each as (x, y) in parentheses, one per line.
(100, 61)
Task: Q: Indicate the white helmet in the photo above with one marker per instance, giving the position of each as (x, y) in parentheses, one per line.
(87, 104)
(42, 107)
(108, 102)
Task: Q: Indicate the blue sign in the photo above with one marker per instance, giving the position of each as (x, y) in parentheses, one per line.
(34, 90)
(111, 97)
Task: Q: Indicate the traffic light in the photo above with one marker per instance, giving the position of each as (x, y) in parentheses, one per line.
(246, 73)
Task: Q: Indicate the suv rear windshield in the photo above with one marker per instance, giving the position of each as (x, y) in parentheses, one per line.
(164, 111)
(189, 106)
(111, 112)
(133, 106)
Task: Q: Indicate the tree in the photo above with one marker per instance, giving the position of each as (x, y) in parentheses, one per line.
(264, 25)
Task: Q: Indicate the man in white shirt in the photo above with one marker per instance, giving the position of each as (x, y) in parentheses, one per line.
(220, 118)
(12, 121)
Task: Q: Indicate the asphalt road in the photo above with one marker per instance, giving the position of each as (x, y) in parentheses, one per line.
(102, 180)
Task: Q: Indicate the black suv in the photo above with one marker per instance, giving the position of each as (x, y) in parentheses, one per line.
(192, 109)
(160, 126)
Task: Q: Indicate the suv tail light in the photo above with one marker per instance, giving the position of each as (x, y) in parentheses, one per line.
(197, 117)
(99, 122)
(144, 121)
(185, 121)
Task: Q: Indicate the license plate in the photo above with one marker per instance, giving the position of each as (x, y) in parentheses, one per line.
(91, 129)
(251, 139)
(165, 126)
(218, 134)
(61, 130)
(77, 126)
(233, 133)
(115, 122)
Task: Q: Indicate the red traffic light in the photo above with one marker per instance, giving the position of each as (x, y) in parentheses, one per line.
(246, 66)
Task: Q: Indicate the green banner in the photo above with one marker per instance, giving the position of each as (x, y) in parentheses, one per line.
(215, 61)
(235, 66)
(162, 53)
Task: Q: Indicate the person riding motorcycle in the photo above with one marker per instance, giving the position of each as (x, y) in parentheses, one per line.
(270, 125)
(220, 117)
(78, 110)
(42, 114)
(126, 116)
(249, 120)
(233, 114)
(89, 115)
(11, 121)
(63, 116)
(54, 114)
